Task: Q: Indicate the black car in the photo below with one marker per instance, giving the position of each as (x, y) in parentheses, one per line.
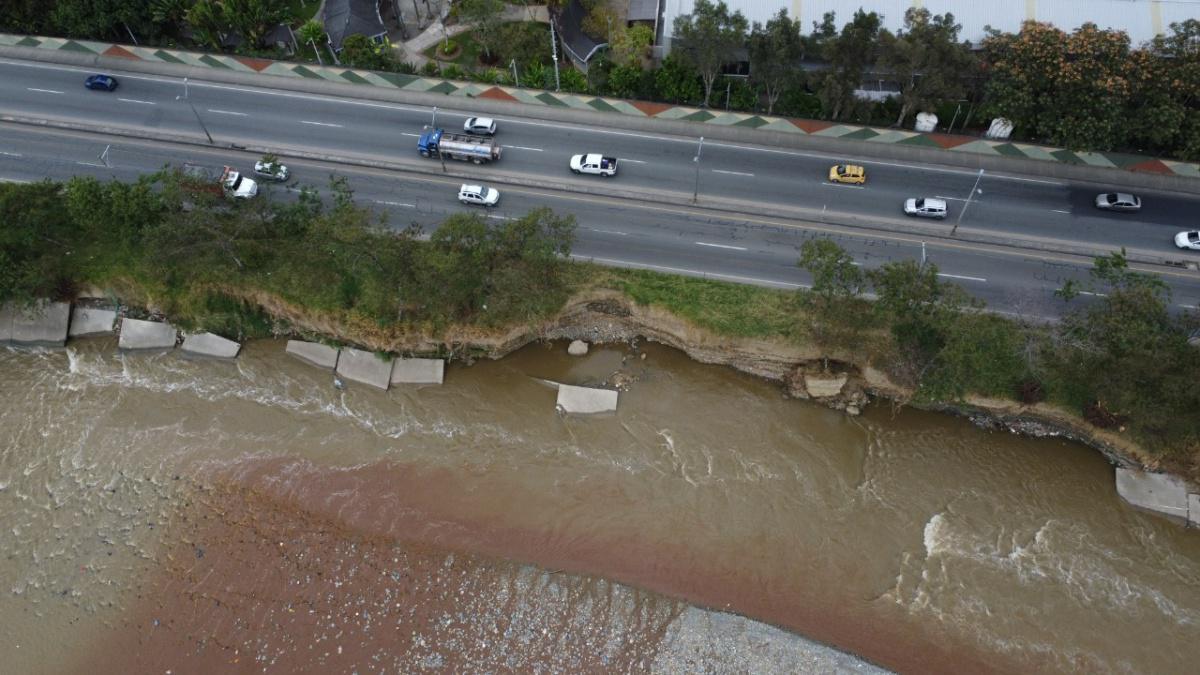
(101, 82)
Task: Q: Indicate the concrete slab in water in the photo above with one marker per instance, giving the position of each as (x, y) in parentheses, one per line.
(91, 321)
(585, 400)
(138, 334)
(824, 387)
(1155, 491)
(418, 371)
(44, 324)
(315, 353)
(208, 344)
(365, 367)
(1194, 509)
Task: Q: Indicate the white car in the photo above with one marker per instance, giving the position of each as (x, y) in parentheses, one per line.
(1188, 240)
(1118, 201)
(237, 185)
(594, 163)
(480, 125)
(271, 171)
(480, 195)
(925, 207)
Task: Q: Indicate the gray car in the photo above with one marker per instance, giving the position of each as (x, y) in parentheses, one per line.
(1118, 201)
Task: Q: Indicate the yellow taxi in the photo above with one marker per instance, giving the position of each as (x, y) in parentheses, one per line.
(847, 173)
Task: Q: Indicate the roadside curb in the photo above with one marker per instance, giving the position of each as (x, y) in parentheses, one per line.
(847, 142)
(803, 217)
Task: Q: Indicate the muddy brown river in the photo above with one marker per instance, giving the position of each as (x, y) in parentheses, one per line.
(165, 514)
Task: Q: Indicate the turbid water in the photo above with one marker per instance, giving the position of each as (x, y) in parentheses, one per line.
(162, 514)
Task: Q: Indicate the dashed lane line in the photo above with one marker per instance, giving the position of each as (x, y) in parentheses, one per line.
(733, 173)
(137, 101)
(733, 248)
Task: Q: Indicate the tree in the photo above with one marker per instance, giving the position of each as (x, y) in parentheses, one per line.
(312, 33)
(629, 46)
(485, 16)
(926, 59)
(172, 13)
(525, 42)
(836, 283)
(676, 81)
(1070, 89)
(708, 39)
(1126, 357)
(920, 309)
(848, 55)
(360, 52)
(207, 20)
(254, 18)
(601, 22)
(775, 51)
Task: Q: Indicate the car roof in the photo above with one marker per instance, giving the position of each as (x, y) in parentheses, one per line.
(471, 188)
(937, 203)
(1126, 197)
(481, 120)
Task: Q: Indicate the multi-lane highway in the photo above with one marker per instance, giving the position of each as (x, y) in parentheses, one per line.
(666, 235)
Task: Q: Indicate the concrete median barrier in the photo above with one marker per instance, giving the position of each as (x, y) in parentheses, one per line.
(586, 400)
(91, 321)
(42, 324)
(210, 345)
(138, 335)
(364, 367)
(313, 353)
(418, 371)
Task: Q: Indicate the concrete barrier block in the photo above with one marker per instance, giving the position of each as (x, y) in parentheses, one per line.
(91, 321)
(824, 387)
(315, 353)
(1194, 509)
(586, 400)
(44, 324)
(208, 344)
(1154, 491)
(365, 367)
(418, 371)
(138, 334)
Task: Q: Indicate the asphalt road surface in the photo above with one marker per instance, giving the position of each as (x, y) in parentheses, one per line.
(613, 231)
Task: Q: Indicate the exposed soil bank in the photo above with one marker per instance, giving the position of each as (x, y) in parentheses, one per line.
(609, 316)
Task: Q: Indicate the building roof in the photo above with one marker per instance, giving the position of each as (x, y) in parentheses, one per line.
(343, 18)
(1141, 19)
(642, 10)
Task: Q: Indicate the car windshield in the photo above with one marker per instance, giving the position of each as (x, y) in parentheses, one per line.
(1194, 237)
(1111, 199)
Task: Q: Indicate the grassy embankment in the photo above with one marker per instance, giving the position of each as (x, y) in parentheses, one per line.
(329, 268)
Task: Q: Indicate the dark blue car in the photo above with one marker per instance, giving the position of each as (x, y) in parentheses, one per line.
(103, 82)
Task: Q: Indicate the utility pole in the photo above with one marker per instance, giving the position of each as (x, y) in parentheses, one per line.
(554, 54)
(967, 203)
(513, 64)
(434, 123)
(194, 111)
(104, 156)
(696, 162)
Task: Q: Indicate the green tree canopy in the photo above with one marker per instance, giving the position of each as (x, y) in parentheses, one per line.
(927, 60)
(708, 39)
(485, 17)
(849, 55)
(775, 52)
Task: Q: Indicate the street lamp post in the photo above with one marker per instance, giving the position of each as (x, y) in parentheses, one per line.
(696, 162)
(434, 123)
(516, 81)
(967, 203)
(194, 111)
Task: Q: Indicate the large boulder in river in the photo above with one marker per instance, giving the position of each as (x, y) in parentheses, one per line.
(577, 348)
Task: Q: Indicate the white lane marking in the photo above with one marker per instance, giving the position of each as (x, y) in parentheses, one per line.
(405, 133)
(1189, 307)
(635, 161)
(521, 147)
(320, 124)
(139, 102)
(1060, 211)
(492, 215)
(957, 199)
(622, 234)
(5, 179)
(91, 164)
(734, 173)
(735, 248)
(227, 112)
(959, 276)
(843, 185)
(696, 273)
(45, 91)
(1097, 295)
(10, 154)
(380, 201)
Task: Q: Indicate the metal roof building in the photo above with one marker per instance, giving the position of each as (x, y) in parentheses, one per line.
(1141, 19)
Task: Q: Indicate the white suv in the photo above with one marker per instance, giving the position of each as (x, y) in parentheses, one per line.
(925, 207)
(480, 195)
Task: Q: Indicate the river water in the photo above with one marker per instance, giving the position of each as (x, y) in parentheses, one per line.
(166, 514)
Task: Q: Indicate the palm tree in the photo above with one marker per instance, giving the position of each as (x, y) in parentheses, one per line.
(207, 20)
(312, 32)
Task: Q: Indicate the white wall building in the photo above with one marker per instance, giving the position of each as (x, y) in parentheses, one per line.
(1141, 19)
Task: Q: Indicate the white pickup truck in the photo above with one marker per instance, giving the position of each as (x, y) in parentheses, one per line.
(594, 164)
